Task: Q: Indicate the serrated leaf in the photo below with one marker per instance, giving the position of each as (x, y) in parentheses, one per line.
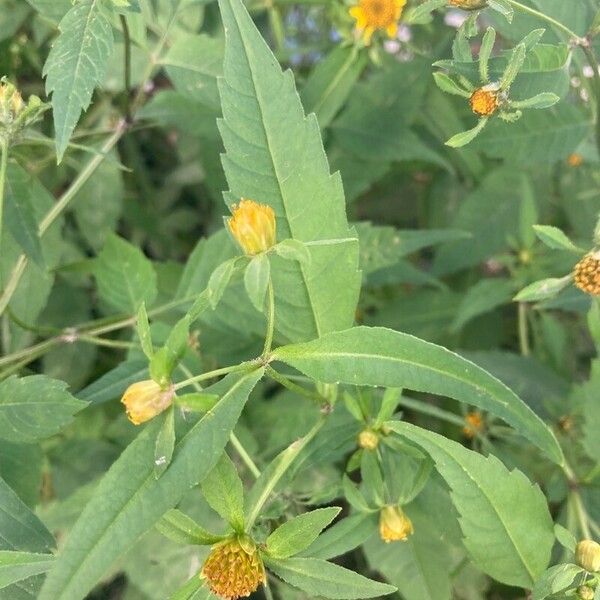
(19, 213)
(448, 85)
(382, 357)
(137, 500)
(554, 238)
(321, 578)
(223, 490)
(125, 277)
(300, 532)
(35, 407)
(274, 154)
(505, 519)
(181, 528)
(256, 280)
(76, 64)
(16, 566)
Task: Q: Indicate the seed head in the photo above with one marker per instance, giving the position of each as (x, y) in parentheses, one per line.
(484, 101)
(587, 274)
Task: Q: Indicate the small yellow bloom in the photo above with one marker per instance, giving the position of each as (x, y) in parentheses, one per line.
(468, 4)
(233, 569)
(146, 399)
(368, 439)
(587, 274)
(371, 15)
(575, 160)
(394, 525)
(484, 101)
(587, 555)
(585, 592)
(473, 424)
(253, 226)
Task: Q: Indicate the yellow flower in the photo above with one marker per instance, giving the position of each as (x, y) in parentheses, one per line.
(587, 274)
(468, 4)
(253, 226)
(585, 592)
(233, 569)
(484, 101)
(587, 555)
(371, 15)
(368, 439)
(473, 424)
(394, 525)
(146, 399)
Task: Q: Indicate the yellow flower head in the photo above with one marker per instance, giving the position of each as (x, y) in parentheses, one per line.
(253, 226)
(468, 4)
(587, 274)
(368, 439)
(585, 592)
(473, 424)
(146, 399)
(233, 569)
(587, 555)
(484, 101)
(575, 160)
(394, 525)
(371, 15)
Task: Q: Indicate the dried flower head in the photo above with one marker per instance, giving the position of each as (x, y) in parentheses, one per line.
(587, 274)
(484, 101)
(368, 439)
(473, 424)
(587, 555)
(146, 399)
(253, 226)
(394, 525)
(372, 15)
(233, 569)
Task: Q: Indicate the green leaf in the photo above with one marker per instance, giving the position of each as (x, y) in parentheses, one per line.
(382, 357)
(256, 280)
(193, 589)
(565, 538)
(137, 500)
(35, 407)
(143, 331)
(293, 250)
(505, 520)
(299, 533)
(517, 58)
(487, 45)
(555, 238)
(219, 280)
(20, 528)
(331, 81)
(16, 566)
(181, 528)
(543, 289)
(222, 489)
(344, 536)
(555, 580)
(448, 85)
(353, 495)
(165, 443)
(76, 64)
(321, 578)
(503, 7)
(197, 401)
(465, 137)
(274, 154)
(543, 100)
(113, 383)
(19, 213)
(125, 277)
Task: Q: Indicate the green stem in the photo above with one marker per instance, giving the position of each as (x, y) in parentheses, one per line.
(270, 320)
(127, 66)
(523, 330)
(581, 515)
(3, 168)
(246, 366)
(283, 462)
(290, 385)
(548, 19)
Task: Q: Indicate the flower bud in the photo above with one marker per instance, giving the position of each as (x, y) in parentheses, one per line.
(587, 274)
(468, 4)
(394, 525)
(145, 400)
(587, 555)
(15, 114)
(233, 569)
(485, 101)
(585, 592)
(368, 439)
(253, 226)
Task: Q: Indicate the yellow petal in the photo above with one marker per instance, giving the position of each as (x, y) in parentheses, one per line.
(392, 30)
(368, 34)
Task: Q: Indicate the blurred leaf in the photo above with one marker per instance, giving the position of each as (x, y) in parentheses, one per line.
(554, 580)
(16, 566)
(555, 238)
(484, 296)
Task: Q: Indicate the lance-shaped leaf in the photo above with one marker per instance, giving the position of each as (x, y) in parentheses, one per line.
(16, 566)
(504, 518)
(383, 357)
(76, 64)
(130, 500)
(274, 155)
